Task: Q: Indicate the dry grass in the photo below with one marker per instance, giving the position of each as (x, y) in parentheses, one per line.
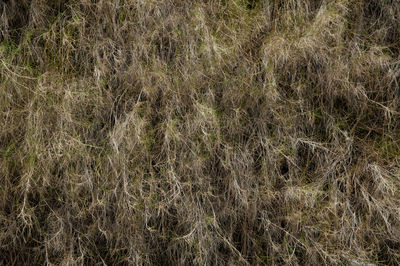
(200, 132)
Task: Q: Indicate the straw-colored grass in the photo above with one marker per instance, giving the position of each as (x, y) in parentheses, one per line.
(219, 132)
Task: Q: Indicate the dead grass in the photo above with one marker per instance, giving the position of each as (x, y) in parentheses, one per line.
(200, 132)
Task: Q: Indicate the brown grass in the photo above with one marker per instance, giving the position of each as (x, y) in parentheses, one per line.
(215, 132)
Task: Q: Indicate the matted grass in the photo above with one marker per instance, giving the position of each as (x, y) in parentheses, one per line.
(173, 132)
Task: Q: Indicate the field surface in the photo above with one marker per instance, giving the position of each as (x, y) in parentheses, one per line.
(199, 132)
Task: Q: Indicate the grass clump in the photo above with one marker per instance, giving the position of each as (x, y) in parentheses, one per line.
(199, 132)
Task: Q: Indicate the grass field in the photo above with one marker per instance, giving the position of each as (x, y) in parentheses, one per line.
(200, 132)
